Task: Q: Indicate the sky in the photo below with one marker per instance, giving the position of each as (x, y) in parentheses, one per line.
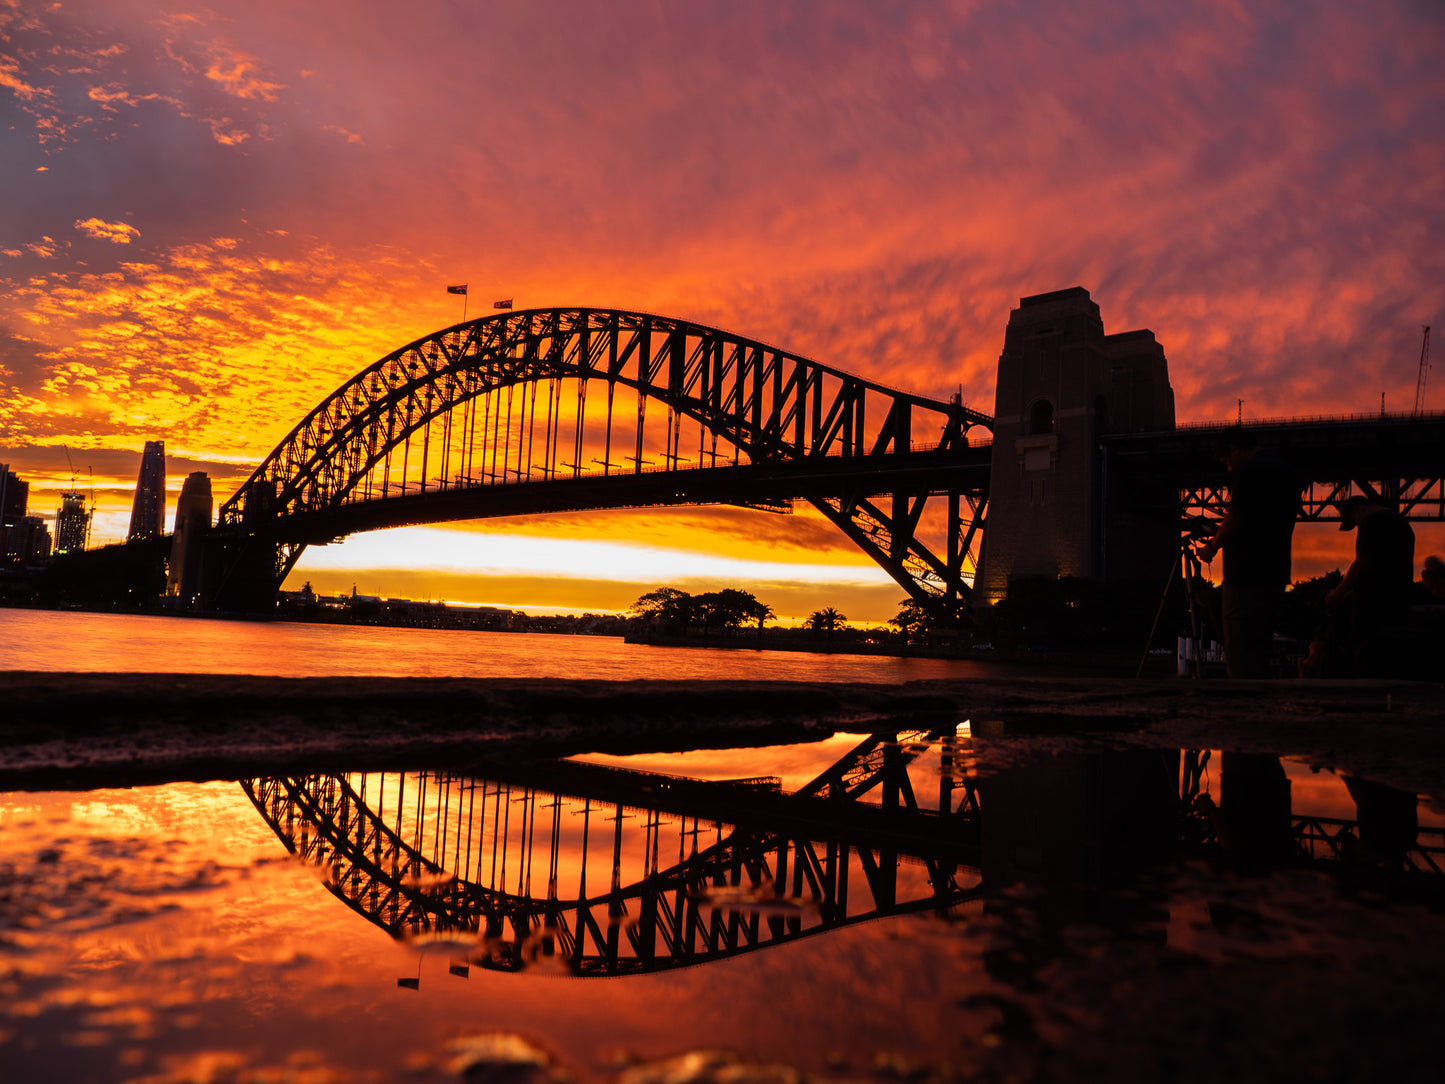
(212, 217)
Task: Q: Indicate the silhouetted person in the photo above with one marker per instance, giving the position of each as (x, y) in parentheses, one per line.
(1388, 819)
(1375, 593)
(1252, 819)
(1432, 575)
(1255, 536)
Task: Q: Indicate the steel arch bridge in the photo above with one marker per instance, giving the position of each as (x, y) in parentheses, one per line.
(495, 872)
(562, 409)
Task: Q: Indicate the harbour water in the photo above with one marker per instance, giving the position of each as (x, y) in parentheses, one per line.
(65, 641)
(922, 905)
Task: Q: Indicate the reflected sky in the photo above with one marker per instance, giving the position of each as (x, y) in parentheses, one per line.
(165, 934)
(55, 640)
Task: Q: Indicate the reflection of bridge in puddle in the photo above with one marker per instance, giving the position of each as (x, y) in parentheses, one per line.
(598, 870)
(607, 871)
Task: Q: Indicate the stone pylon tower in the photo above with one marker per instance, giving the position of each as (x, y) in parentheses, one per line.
(148, 513)
(1062, 385)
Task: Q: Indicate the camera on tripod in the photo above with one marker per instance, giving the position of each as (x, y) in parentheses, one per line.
(1197, 528)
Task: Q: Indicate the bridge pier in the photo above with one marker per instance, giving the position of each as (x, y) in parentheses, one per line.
(1063, 384)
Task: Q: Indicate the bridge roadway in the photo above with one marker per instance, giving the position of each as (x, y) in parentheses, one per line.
(1397, 459)
(772, 486)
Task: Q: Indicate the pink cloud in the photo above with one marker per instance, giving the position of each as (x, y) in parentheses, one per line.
(240, 74)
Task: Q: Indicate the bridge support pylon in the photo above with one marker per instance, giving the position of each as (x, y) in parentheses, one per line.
(1062, 384)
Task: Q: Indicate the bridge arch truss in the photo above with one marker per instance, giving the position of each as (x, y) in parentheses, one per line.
(562, 409)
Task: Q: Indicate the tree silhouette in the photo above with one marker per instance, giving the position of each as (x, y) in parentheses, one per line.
(825, 621)
(727, 609)
(762, 612)
(667, 605)
(912, 619)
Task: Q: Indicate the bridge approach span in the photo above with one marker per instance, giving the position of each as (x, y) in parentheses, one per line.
(555, 409)
(1396, 460)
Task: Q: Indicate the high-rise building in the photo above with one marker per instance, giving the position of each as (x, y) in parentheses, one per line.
(13, 497)
(148, 513)
(14, 494)
(27, 540)
(193, 519)
(72, 523)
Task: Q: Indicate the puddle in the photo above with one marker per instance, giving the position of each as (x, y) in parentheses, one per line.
(871, 907)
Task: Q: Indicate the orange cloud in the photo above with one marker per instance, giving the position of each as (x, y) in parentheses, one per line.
(240, 74)
(10, 79)
(117, 233)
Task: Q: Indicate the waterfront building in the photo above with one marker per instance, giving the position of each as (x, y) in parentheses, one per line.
(148, 513)
(27, 541)
(14, 495)
(72, 523)
(14, 533)
(193, 519)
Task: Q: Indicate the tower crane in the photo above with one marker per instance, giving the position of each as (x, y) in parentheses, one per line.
(1424, 371)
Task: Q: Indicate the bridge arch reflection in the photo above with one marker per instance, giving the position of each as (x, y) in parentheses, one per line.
(604, 871)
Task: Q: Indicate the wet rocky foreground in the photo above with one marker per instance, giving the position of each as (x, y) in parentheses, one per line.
(87, 729)
(158, 932)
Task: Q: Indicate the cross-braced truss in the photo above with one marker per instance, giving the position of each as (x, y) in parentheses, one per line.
(1397, 461)
(555, 409)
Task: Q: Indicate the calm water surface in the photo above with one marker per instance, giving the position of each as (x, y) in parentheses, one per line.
(922, 907)
(591, 920)
(51, 640)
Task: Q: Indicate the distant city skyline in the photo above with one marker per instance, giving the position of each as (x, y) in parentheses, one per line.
(213, 219)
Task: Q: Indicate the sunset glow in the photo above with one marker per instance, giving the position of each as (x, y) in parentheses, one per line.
(213, 218)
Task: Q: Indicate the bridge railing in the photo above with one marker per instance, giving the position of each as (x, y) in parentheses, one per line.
(1390, 418)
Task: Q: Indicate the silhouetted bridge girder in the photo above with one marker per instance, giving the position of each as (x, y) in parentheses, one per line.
(768, 486)
(586, 408)
(1397, 460)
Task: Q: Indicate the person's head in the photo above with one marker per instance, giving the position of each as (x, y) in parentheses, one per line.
(1352, 510)
(1235, 446)
(1432, 575)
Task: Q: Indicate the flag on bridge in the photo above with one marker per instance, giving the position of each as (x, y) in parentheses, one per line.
(507, 304)
(462, 289)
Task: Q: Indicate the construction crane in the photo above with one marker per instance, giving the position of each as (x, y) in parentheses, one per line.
(1424, 371)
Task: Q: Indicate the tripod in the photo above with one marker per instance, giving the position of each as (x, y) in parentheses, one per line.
(1187, 563)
